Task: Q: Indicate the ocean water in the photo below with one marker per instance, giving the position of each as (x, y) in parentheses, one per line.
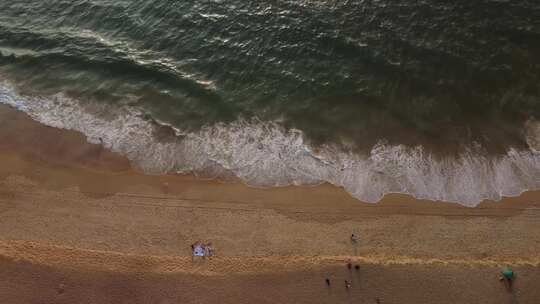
(436, 99)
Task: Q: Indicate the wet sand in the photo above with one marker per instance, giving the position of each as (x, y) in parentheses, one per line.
(73, 213)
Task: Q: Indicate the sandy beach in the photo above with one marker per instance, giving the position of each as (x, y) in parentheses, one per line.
(78, 224)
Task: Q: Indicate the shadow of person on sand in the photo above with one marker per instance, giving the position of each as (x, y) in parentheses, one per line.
(512, 297)
(510, 287)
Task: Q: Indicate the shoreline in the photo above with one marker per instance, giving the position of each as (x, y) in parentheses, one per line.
(71, 212)
(284, 158)
(30, 139)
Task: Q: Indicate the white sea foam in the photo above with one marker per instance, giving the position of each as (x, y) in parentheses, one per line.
(266, 155)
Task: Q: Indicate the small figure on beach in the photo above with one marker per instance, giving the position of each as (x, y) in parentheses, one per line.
(192, 251)
(354, 238)
(166, 188)
(99, 148)
(508, 277)
(347, 285)
(356, 267)
(61, 288)
(209, 250)
(203, 250)
(327, 280)
(349, 265)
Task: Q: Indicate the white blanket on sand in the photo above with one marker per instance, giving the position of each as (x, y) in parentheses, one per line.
(198, 251)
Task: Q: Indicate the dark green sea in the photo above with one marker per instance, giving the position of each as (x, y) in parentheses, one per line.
(438, 99)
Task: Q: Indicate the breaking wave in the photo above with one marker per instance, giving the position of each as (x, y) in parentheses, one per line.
(264, 154)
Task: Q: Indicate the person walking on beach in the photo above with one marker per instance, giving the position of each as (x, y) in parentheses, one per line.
(327, 280)
(347, 285)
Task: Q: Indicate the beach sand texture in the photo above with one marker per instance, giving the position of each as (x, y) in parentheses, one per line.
(79, 225)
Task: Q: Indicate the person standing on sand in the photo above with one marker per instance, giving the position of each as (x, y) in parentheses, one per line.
(327, 282)
(347, 285)
(61, 288)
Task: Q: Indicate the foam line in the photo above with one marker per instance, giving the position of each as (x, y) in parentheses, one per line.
(263, 154)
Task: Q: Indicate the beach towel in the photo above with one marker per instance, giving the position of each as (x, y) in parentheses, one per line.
(198, 251)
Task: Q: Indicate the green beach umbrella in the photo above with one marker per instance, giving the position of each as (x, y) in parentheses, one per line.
(508, 273)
